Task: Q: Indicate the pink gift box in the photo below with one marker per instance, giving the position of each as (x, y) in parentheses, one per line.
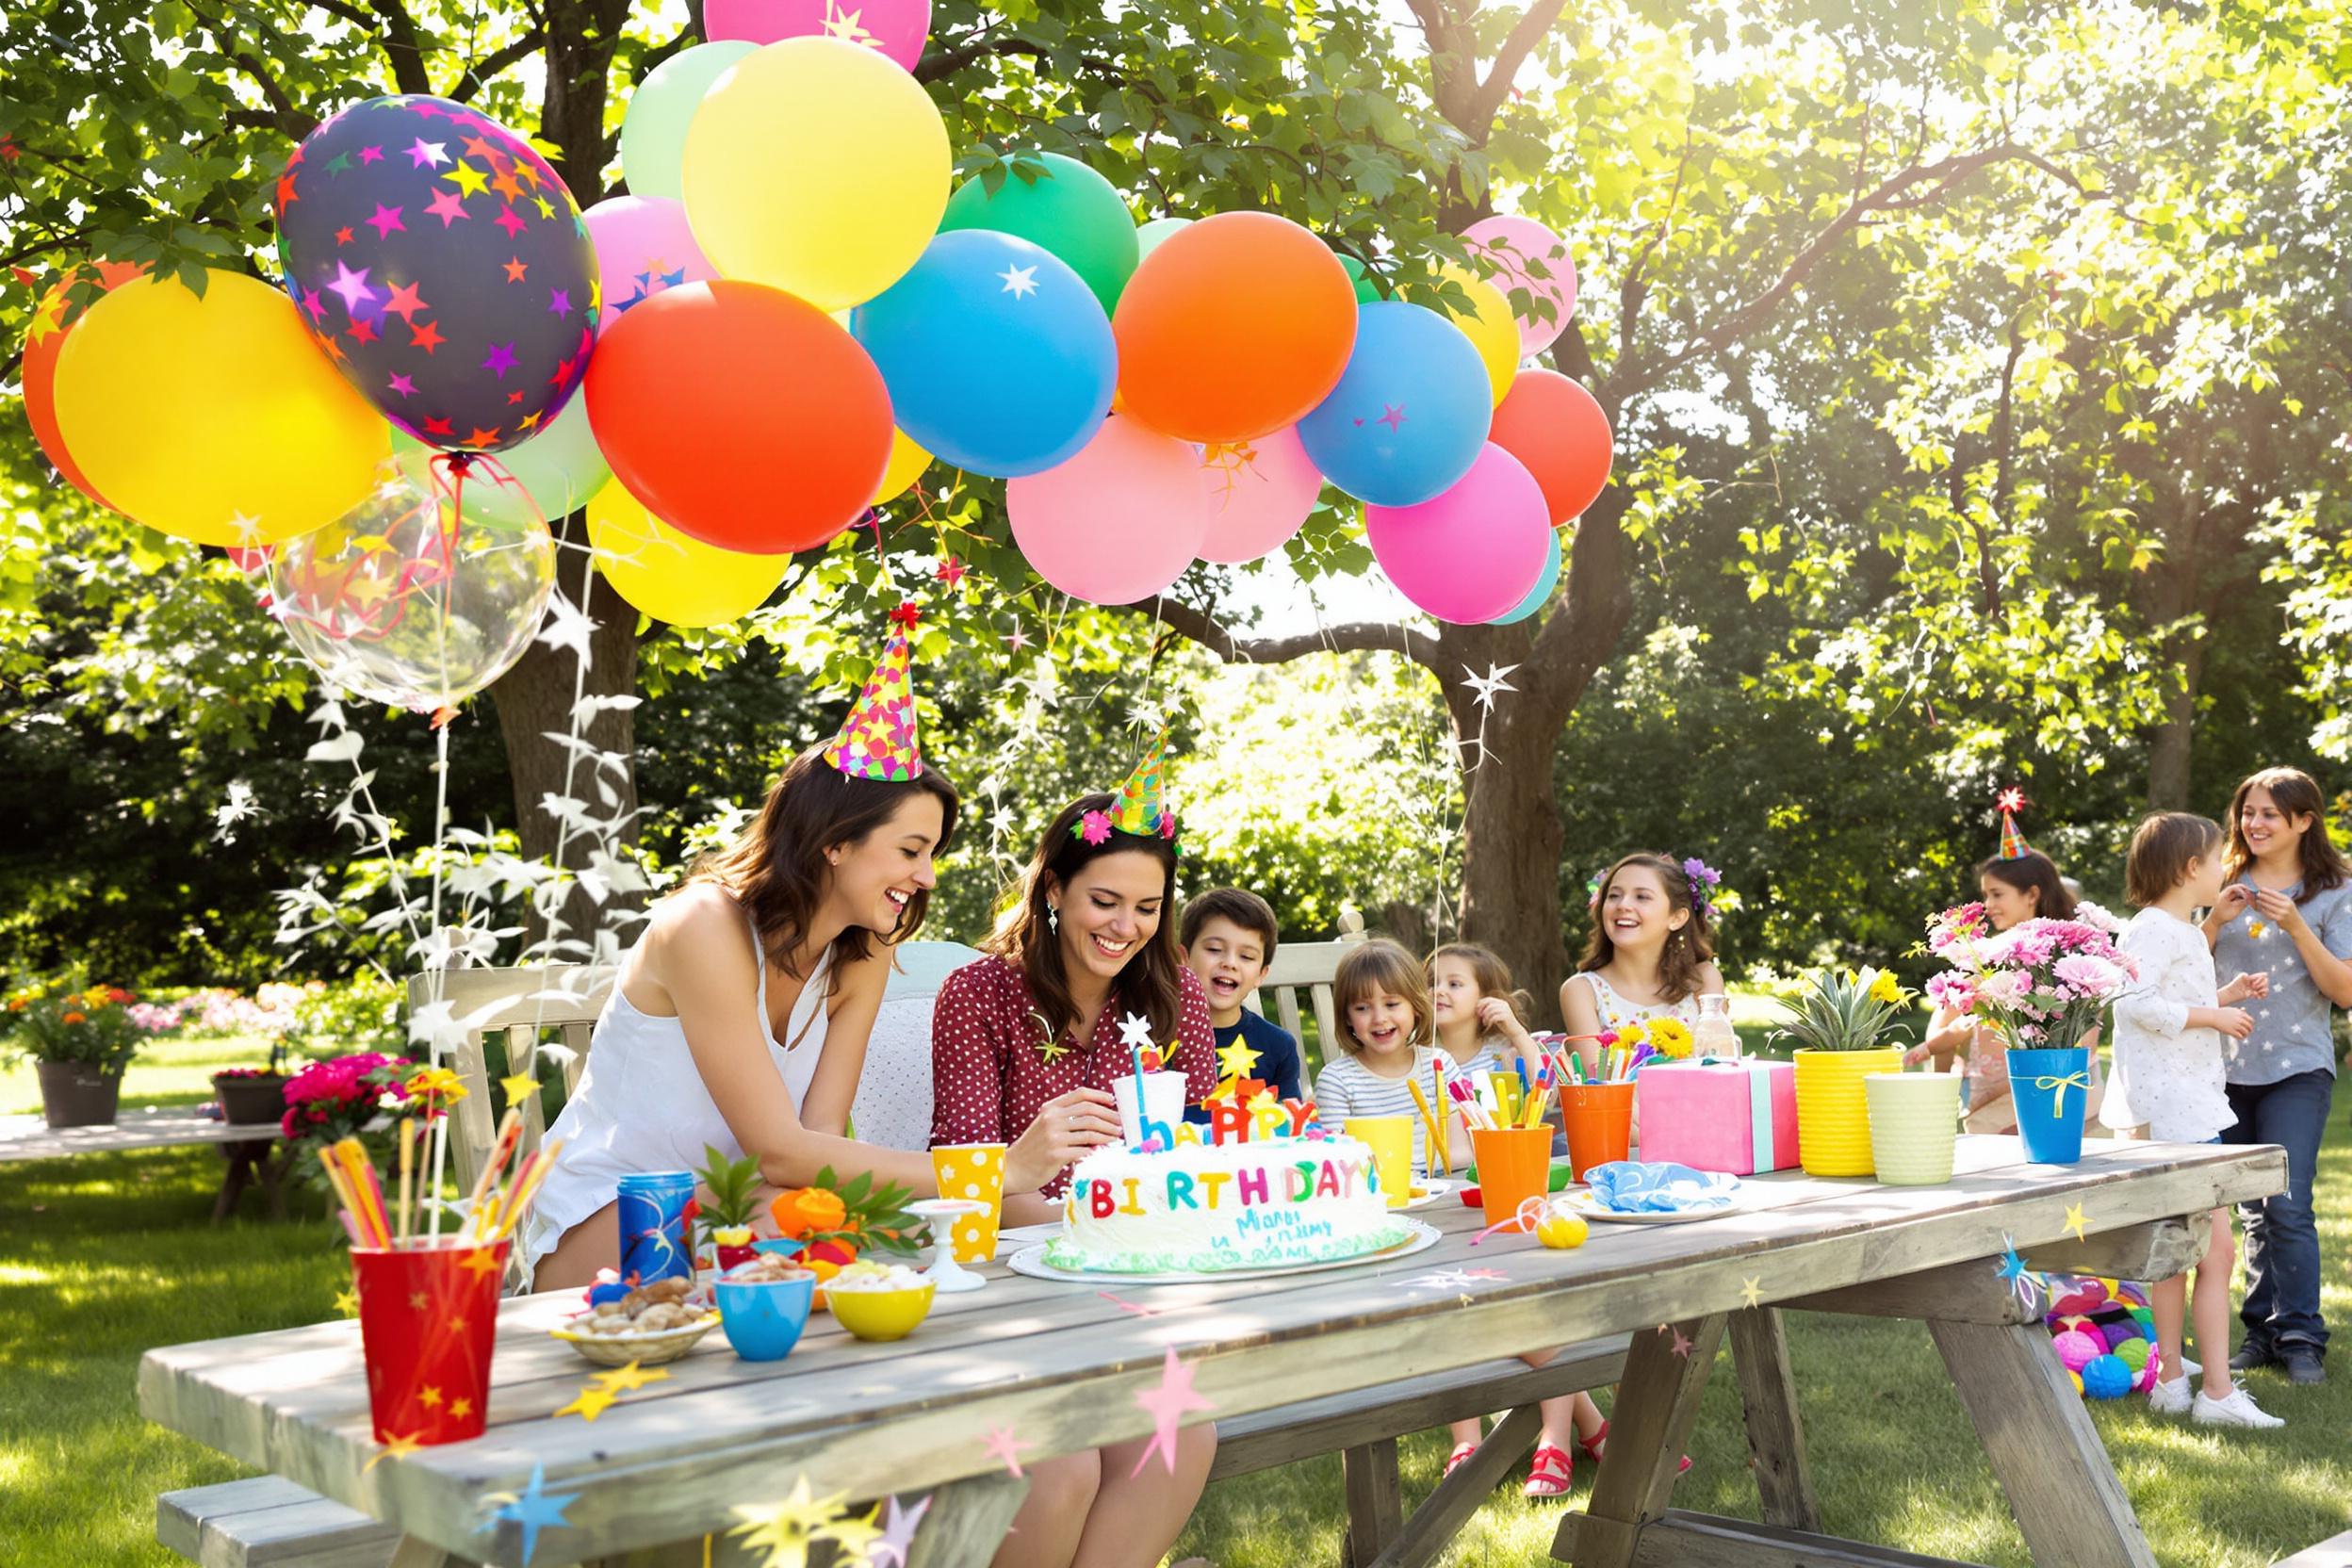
(1738, 1117)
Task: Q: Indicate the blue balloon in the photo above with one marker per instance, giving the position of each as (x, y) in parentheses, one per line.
(998, 357)
(1410, 412)
(1541, 591)
(444, 267)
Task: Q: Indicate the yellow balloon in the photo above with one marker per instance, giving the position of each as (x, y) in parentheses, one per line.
(214, 419)
(818, 167)
(1488, 326)
(666, 574)
(908, 462)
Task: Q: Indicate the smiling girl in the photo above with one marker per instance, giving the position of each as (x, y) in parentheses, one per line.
(1384, 1045)
(1650, 955)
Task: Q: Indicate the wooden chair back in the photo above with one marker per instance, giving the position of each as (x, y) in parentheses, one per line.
(1302, 972)
(521, 1006)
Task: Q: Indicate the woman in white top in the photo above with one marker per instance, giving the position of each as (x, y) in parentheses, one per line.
(1650, 955)
(739, 1018)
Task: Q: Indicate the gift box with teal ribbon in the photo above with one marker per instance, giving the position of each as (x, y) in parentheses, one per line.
(1735, 1117)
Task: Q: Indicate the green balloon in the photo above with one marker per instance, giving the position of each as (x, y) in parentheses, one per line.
(1069, 210)
(653, 133)
(1366, 291)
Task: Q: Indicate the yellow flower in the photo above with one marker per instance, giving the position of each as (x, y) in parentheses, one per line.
(1670, 1038)
(1631, 1036)
(1885, 990)
(436, 1084)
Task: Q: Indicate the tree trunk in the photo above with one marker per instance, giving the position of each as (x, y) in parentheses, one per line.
(535, 702)
(2168, 752)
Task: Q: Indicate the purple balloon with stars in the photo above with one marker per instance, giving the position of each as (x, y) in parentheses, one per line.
(444, 267)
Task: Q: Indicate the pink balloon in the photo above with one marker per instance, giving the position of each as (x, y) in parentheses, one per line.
(1117, 523)
(1260, 493)
(896, 27)
(1475, 551)
(1507, 245)
(644, 246)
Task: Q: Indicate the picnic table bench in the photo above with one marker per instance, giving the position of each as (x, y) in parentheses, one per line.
(659, 1475)
(250, 1148)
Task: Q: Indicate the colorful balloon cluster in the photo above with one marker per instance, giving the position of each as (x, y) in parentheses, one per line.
(2104, 1333)
(778, 328)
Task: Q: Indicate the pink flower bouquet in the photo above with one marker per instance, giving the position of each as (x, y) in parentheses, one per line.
(2042, 984)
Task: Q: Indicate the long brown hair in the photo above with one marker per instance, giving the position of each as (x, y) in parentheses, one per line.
(1380, 965)
(778, 869)
(2032, 873)
(1153, 981)
(2296, 793)
(1685, 950)
(1487, 968)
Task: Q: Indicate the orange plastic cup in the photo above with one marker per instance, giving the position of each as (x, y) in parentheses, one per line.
(972, 1170)
(1514, 1165)
(1598, 1119)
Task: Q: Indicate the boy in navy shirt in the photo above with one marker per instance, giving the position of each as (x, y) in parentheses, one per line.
(1228, 940)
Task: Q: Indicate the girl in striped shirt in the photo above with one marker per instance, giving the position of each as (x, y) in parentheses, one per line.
(1384, 1047)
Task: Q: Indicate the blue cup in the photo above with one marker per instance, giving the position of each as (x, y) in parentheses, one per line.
(764, 1319)
(651, 1210)
(2051, 1090)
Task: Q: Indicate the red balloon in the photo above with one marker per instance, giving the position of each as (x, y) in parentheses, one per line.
(1555, 427)
(52, 320)
(740, 415)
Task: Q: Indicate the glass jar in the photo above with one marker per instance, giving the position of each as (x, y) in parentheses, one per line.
(1713, 1035)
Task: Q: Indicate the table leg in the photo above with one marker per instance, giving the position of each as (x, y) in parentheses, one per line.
(413, 1553)
(1437, 1521)
(1759, 1353)
(967, 1522)
(1649, 1425)
(2063, 1492)
(1376, 1508)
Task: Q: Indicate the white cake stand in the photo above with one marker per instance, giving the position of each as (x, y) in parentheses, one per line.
(948, 1276)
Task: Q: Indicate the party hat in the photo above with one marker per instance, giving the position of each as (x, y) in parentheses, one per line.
(877, 740)
(1140, 806)
(2013, 844)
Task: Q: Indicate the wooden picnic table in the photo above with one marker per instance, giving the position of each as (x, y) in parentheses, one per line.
(250, 1148)
(1060, 1365)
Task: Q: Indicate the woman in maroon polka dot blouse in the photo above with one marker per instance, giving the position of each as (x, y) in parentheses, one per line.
(1029, 1038)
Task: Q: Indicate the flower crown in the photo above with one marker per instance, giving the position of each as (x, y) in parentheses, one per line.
(1702, 879)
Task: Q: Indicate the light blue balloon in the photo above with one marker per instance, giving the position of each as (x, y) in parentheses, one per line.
(997, 355)
(1410, 412)
(1541, 591)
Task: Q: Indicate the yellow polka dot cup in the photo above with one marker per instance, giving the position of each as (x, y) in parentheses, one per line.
(974, 1171)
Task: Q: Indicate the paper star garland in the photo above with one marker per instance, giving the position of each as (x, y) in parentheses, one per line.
(786, 1531)
(1168, 1406)
(1491, 684)
(1005, 1448)
(2012, 1269)
(534, 1508)
(1750, 1291)
(521, 1086)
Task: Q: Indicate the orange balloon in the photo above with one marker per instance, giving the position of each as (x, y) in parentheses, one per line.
(1555, 427)
(1232, 328)
(740, 415)
(52, 318)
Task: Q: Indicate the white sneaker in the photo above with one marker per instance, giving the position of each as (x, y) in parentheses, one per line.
(2237, 1410)
(2170, 1399)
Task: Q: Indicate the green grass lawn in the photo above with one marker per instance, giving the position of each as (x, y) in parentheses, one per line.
(103, 1256)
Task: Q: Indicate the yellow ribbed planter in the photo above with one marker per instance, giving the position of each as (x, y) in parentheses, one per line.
(1833, 1112)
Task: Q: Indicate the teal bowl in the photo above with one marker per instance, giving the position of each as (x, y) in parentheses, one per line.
(764, 1319)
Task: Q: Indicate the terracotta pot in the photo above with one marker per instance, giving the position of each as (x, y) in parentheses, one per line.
(251, 1102)
(73, 1094)
(1833, 1115)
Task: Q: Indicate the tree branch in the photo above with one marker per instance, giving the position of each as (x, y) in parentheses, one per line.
(482, 73)
(402, 48)
(1354, 637)
(1516, 47)
(1897, 192)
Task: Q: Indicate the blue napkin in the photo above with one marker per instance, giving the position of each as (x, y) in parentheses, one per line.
(1636, 1186)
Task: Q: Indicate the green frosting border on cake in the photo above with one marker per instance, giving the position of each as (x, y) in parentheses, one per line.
(1059, 1254)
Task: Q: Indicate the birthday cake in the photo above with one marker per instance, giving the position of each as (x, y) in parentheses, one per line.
(1203, 1208)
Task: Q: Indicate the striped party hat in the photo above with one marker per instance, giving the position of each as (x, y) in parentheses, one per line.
(2013, 844)
(877, 740)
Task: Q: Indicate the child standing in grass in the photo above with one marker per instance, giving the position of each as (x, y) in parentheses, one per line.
(1480, 1028)
(2170, 1076)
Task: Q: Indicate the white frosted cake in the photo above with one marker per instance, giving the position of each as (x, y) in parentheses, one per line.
(1206, 1208)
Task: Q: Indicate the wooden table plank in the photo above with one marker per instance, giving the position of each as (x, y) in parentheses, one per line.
(27, 1138)
(1061, 1364)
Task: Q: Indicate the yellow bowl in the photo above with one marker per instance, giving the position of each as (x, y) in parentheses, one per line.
(882, 1314)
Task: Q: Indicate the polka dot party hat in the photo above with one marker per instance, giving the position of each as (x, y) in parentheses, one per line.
(877, 740)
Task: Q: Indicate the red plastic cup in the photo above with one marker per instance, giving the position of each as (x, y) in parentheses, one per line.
(1598, 1119)
(427, 1316)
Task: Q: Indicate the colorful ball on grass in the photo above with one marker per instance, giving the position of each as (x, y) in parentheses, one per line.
(2144, 1316)
(2077, 1349)
(2121, 1333)
(2133, 1353)
(2077, 1379)
(2149, 1377)
(2106, 1378)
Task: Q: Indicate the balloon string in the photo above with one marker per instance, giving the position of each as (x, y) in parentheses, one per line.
(437, 955)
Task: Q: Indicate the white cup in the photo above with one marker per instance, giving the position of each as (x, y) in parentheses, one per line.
(1163, 1103)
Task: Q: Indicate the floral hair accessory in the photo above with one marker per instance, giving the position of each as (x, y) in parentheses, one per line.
(1704, 879)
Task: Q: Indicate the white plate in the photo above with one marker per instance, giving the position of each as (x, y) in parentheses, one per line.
(1031, 1260)
(1428, 1191)
(1592, 1207)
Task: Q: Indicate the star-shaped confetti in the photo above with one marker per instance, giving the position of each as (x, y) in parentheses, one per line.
(347, 1302)
(951, 571)
(1682, 1344)
(395, 1446)
(534, 1508)
(2076, 1222)
(1003, 1447)
(1051, 1051)
(1019, 282)
(1168, 1405)
(786, 1531)
(592, 1402)
(1127, 1306)
(899, 1525)
(1751, 1292)
(1443, 1278)
(521, 1086)
(1236, 1060)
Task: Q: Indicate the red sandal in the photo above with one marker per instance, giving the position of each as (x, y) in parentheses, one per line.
(1461, 1453)
(1591, 1446)
(1550, 1473)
